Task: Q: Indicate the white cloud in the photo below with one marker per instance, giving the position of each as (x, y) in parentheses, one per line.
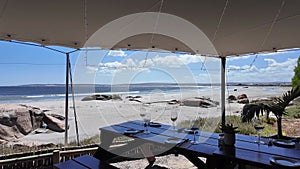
(130, 63)
(110, 67)
(162, 62)
(112, 64)
(289, 63)
(172, 61)
(233, 67)
(238, 57)
(263, 54)
(146, 63)
(167, 61)
(187, 59)
(235, 58)
(117, 53)
(91, 69)
(275, 71)
(243, 69)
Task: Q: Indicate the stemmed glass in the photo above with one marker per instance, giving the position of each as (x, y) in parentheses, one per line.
(146, 116)
(195, 130)
(259, 126)
(174, 116)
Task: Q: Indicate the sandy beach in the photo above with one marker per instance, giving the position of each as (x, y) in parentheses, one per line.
(95, 114)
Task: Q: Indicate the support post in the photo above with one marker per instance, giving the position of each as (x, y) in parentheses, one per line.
(67, 98)
(56, 157)
(223, 81)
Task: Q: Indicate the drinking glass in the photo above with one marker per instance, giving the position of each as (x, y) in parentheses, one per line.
(142, 112)
(195, 130)
(259, 126)
(146, 116)
(174, 116)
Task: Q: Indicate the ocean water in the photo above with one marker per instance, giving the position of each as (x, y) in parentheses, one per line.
(34, 93)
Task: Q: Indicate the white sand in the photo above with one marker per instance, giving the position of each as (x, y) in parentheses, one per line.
(95, 114)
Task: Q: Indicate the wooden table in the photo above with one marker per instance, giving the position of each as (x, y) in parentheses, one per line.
(246, 151)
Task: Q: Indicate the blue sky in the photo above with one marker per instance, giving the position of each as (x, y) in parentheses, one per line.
(23, 64)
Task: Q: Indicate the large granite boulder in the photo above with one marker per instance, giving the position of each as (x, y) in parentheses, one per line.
(89, 98)
(242, 96)
(231, 98)
(116, 97)
(24, 122)
(262, 100)
(19, 120)
(8, 118)
(36, 118)
(9, 133)
(243, 101)
(53, 123)
(199, 102)
(97, 97)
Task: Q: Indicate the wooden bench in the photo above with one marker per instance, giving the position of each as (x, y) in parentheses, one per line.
(84, 162)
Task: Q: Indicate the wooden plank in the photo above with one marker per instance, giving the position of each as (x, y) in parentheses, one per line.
(202, 149)
(78, 151)
(272, 150)
(246, 157)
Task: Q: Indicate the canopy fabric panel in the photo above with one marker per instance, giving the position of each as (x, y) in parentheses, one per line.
(233, 27)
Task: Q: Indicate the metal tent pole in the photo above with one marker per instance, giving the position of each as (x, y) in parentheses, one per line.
(223, 71)
(67, 98)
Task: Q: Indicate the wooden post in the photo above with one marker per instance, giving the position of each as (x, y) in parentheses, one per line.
(56, 157)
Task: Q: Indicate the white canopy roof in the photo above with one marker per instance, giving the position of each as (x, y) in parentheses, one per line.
(232, 27)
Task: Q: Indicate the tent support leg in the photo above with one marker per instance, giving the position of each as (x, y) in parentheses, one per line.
(223, 81)
(67, 98)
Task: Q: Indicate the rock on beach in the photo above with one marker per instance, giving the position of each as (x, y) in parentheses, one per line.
(53, 123)
(242, 99)
(17, 121)
(102, 97)
(199, 102)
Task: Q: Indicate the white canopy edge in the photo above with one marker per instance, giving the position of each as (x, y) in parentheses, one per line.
(243, 27)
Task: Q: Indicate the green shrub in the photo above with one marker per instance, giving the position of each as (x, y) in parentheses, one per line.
(292, 112)
(270, 120)
(205, 124)
(212, 125)
(87, 141)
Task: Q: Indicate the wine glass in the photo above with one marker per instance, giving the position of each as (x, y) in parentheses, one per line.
(259, 126)
(146, 116)
(174, 116)
(142, 112)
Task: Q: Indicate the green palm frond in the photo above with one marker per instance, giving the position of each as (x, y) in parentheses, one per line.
(279, 105)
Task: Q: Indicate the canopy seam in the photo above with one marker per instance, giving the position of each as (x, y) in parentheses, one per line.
(154, 31)
(268, 33)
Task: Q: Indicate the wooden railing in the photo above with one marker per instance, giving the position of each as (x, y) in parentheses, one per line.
(44, 160)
